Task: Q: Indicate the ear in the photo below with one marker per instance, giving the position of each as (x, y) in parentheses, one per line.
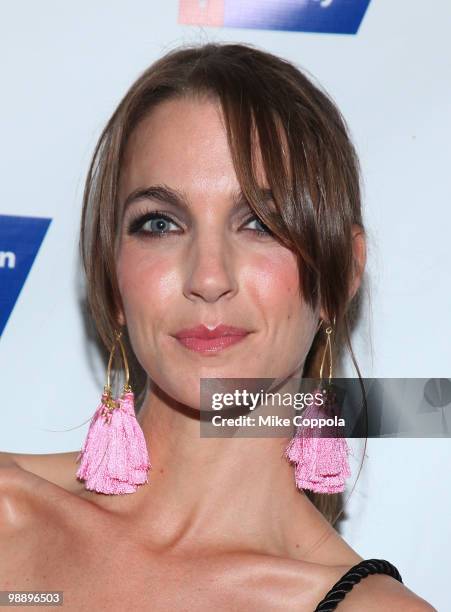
(359, 253)
(120, 317)
(359, 256)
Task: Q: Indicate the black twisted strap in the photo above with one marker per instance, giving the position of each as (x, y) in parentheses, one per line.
(338, 592)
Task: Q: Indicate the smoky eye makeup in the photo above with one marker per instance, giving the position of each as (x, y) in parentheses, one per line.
(136, 224)
(159, 224)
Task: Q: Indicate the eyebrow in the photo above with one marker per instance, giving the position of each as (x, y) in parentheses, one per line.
(168, 195)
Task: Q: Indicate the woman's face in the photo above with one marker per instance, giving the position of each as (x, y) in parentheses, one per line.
(190, 254)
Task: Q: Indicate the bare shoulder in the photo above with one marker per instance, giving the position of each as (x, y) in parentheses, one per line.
(24, 498)
(35, 515)
(18, 522)
(44, 502)
(381, 592)
(58, 468)
(17, 487)
(34, 487)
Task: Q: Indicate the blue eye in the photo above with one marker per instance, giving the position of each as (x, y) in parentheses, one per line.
(152, 224)
(155, 225)
(263, 231)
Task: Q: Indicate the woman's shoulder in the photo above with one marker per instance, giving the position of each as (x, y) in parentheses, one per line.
(35, 494)
(368, 584)
(16, 520)
(38, 526)
(57, 468)
(378, 592)
(27, 494)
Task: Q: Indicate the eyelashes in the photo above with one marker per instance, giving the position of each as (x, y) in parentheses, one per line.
(136, 225)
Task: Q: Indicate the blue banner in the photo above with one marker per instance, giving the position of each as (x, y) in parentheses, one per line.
(20, 239)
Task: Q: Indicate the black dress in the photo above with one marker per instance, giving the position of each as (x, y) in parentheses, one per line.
(352, 577)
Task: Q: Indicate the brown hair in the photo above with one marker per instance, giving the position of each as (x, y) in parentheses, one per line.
(309, 161)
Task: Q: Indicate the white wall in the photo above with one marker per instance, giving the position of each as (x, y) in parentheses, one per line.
(64, 68)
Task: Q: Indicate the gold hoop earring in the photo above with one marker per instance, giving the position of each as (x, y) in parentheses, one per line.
(321, 463)
(114, 458)
(329, 331)
(107, 390)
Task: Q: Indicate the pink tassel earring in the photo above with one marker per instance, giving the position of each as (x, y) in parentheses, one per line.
(114, 458)
(321, 463)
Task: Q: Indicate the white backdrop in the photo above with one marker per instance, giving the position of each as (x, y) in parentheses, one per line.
(65, 66)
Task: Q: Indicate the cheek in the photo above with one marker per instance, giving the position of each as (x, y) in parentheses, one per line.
(146, 284)
(274, 282)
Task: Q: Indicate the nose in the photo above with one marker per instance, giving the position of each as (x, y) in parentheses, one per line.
(210, 270)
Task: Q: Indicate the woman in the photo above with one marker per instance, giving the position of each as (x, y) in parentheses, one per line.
(224, 191)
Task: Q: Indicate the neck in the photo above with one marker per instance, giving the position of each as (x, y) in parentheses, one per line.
(235, 493)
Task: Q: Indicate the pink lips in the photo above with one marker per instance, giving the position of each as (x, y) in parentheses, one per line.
(204, 340)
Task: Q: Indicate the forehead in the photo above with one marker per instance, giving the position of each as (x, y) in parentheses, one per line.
(182, 143)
